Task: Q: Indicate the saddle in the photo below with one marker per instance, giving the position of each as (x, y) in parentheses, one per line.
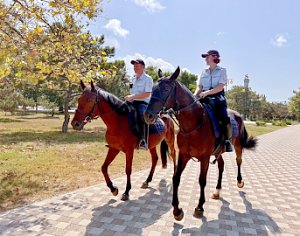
(136, 123)
(210, 107)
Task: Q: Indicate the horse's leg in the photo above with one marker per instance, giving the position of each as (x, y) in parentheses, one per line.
(170, 140)
(182, 161)
(216, 195)
(154, 162)
(172, 152)
(202, 181)
(239, 151)
(111, 154)
(129, 157)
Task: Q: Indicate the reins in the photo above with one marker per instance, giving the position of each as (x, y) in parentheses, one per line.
(177, 112)
(89, 116)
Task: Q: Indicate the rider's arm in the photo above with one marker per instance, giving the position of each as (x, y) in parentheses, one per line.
(198, 90)
(215, 90)
(132, 97)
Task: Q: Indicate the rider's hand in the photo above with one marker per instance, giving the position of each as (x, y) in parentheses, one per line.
(203, 94)
(129, 98)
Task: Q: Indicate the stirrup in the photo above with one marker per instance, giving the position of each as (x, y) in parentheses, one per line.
(228, 146)
(143, 145)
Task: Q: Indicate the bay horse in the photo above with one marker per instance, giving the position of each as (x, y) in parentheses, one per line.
(95, 102)
(196, 138)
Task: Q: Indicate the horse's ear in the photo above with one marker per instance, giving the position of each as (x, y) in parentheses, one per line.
(92, 86)
(82, 85)
(160, 74)
(175, 74)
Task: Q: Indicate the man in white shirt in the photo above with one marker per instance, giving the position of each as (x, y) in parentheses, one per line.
(140, 94)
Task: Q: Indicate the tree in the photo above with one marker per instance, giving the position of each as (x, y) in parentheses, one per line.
(294, 104)
(59, 53)
(188, 79)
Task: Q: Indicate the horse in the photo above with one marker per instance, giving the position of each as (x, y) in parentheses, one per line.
(196, 138)
(95, 102)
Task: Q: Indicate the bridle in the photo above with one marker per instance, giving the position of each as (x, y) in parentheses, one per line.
(88, 117)
(176, 112)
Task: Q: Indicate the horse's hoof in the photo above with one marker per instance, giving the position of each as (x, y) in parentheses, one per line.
(198, 213)
(241, 184)
(144, 185)
(124, 197)
(180, 216)
(215, 196)
(115, 192)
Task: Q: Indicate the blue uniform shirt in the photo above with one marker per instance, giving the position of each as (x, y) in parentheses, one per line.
(209, 80)
(142, 85)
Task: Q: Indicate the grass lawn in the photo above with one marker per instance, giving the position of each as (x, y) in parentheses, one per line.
(38, 161)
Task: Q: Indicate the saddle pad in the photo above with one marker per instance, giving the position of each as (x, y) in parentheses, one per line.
(157, 127)
(234, 126)
(213, 119)
(215, 124)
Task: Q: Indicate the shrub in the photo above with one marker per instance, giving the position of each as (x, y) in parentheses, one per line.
(261, 123)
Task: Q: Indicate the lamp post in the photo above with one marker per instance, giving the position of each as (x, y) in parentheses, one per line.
(229, 81)
(246, 87)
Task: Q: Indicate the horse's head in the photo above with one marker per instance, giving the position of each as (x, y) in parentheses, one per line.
(162, 96)
(87, 106)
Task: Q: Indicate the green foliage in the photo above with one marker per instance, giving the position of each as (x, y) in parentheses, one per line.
(261, 123)
(279, 123)
(294, 104)
(8, 96)
(188, 79)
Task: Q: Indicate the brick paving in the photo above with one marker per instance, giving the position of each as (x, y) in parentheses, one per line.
(269, 204)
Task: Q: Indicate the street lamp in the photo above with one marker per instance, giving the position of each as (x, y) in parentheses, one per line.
(229, 81)
(246, 87)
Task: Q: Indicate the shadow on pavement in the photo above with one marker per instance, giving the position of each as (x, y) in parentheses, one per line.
(132, 216)
(233, 221)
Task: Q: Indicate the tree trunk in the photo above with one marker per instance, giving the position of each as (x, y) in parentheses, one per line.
(66, 110)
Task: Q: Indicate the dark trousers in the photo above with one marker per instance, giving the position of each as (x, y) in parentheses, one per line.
(141, 108)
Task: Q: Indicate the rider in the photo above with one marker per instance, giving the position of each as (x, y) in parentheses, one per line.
(140, 93)
(211, 85)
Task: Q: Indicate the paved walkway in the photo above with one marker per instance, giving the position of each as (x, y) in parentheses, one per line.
(269, 204)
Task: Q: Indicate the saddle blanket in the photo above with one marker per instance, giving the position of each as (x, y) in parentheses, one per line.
(157, 127)
(215, 123)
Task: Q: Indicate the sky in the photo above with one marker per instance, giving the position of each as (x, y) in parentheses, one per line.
(258, 38)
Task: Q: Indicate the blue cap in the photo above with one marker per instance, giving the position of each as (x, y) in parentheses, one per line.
(211, 52)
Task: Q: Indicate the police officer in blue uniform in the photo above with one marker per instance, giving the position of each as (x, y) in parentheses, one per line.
(140, 94)
(211, 85)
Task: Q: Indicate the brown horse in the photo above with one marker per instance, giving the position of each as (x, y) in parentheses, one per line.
(94, 103)
(196, 136)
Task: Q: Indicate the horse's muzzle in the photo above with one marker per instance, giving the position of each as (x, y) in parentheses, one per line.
(150, 117)
(77, 125)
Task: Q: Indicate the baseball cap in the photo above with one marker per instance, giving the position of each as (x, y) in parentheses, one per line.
(211, 52)
(138, 61)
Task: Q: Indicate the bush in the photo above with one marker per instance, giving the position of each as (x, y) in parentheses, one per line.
(279, 123)
(261, 123)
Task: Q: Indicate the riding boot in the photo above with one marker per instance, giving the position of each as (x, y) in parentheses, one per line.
(227, 137)
(143, 144)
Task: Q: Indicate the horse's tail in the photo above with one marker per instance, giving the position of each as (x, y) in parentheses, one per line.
(246, 141)
(164, 151)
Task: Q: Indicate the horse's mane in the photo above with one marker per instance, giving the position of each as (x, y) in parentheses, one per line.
(186, 89)
(113, 100)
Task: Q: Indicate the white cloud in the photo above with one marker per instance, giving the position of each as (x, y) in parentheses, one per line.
(280, 40)
(112, 42)
(149, 61)
(150, 5)
(115, 26)
(220, 33)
